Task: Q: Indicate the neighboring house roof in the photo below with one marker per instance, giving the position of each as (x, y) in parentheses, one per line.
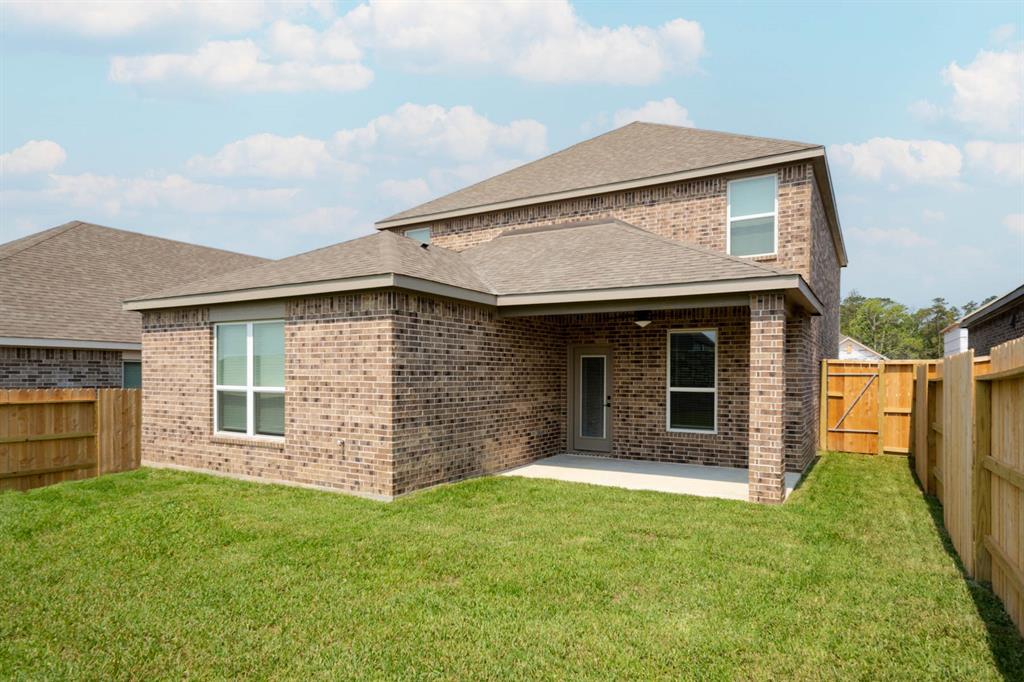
(992, 308)
(863, 346)
(635, 155)
(571, 262)
(67, 283)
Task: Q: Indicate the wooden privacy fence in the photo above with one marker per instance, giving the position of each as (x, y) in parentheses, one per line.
(970, 454)
(52, 435)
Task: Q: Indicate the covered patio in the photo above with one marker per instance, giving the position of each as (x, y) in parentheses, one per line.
(729, 483)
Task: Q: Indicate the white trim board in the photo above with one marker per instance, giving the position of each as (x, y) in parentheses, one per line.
(67, 343)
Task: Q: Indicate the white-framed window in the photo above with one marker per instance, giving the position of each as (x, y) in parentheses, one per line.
(248, 378)
(753, 226)
(420, 234)
(691, 401)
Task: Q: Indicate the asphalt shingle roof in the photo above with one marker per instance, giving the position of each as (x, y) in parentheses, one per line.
(68, 282)
(635, 151)
(567, 257)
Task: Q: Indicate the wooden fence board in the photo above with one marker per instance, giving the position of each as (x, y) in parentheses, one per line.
(52, 435)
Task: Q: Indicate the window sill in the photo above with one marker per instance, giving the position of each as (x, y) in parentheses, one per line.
(699, 432)
(269, 442)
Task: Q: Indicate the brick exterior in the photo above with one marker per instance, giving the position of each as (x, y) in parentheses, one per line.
(767, 390)
(59, 368)
(390, 391)
(1006, 326)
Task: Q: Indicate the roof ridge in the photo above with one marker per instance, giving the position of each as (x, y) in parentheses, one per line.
(56, 232)
(727, 133)
(172, 241)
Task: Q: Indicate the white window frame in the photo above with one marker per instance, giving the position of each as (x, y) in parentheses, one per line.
(249, 389)
(408, 233)
(669, 389)
(730, 218)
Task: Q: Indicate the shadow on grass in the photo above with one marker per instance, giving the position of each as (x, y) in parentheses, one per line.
(806, 473)
(1004, 641)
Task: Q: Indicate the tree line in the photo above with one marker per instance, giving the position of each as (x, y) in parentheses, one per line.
(896, 331)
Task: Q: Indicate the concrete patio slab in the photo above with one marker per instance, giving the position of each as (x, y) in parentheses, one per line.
(686, 479)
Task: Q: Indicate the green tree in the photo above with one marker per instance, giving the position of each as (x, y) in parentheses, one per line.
(885, 325)
(930, 323)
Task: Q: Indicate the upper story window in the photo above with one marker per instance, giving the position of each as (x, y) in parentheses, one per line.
(248, 392)
(692, 400)
(753, 216)
(420, 234)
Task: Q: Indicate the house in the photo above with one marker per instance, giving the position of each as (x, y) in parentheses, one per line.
(61, 320)
(654, 293)
(954, 339)
(852, 349)
(997, 322)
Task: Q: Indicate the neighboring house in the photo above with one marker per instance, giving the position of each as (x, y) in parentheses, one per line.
(997, 322)
(61, 320)
(654, 293)
(954, 339)
(852, 349)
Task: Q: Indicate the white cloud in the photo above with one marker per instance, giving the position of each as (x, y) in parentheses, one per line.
(932, 216)
(1002, 160)
(537, 41)
(113, 194)
(887, 158)
(111, 19)
(923, 110)
(407, 192)
(900, 236)
(458, 133)
(272, 156)
(239, 65)
(1003, 33)
(336, 221)
(35, 156)
(667, 110)
(1014, 222)
(987, 93)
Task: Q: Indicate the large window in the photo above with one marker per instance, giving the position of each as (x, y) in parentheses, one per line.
(753, 212)
(249, 378)
(692, 381)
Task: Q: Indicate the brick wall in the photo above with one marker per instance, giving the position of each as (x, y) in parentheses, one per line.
(639, 360)
(767, 393)
(59, 368)
(337, 399)
(473, 393)
(692, 211)
(1005, 326)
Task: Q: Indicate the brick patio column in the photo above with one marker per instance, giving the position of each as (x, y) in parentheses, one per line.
(766, 459)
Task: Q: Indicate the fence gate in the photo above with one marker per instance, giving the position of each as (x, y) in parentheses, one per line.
(867, 406)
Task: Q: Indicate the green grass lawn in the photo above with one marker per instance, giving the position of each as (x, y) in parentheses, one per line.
(158, 574)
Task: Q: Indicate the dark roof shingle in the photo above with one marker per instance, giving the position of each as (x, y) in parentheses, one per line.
(635, 151)
(68, 282)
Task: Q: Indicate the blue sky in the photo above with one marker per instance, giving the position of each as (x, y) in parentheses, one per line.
(275, 128)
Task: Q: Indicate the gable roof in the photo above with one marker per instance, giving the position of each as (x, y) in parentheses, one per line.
(67, 283)
(637, 150)
(598, 260)
(992, 308)
(635, 155)
(847, 338)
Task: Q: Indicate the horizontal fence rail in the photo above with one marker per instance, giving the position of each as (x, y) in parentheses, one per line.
(49, 436)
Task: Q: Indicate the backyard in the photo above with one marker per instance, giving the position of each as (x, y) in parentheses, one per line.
(159, 574)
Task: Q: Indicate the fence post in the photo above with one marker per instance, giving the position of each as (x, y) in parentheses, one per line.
(981, 480)
(823, 408)
(97, 419)
(881, 407)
